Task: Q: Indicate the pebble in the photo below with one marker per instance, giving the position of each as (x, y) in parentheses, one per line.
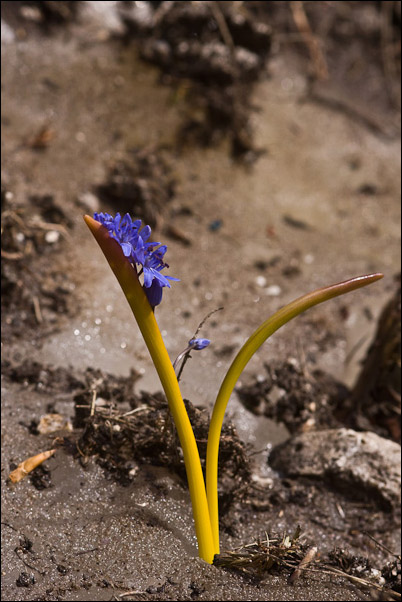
(362, 463)
(52, 236)
(273, 291)
(50, 423)
(89, 201)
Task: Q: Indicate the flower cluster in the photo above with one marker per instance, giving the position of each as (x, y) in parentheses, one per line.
(135, 246)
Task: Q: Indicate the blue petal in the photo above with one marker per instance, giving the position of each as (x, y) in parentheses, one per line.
(145, 233)
(173, 279)
(117, 220)
(139, 253)
(148, 277)
(160, 277)
(127, 248)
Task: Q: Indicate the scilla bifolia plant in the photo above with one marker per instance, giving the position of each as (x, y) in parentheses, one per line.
(138, 265)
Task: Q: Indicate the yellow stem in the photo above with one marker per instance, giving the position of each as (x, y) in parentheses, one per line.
(239, 363)
(132, 288)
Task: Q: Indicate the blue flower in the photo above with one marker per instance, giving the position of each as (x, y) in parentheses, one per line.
(127, 233)
(135, 246)
(124, 231)
(199, 344)
(154, 281)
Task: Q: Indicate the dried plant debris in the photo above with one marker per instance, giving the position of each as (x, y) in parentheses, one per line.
(120, 427)
(41, 140)
(141, 429)
(87, 389)
(33, 292)
(221, 48)
(301, 400)
(29, 465)
(391, 572)
(101, 390)
(272, 555)
(142, 184)
(288, 555)
(328, 40)
(122, 430)
(386, 582)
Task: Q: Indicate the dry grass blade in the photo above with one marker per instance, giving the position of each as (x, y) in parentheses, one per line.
(316, 54)
(309, 557)
(29, 465)
(392, 595)
(287, 554)
(223, 28)
(264, 556)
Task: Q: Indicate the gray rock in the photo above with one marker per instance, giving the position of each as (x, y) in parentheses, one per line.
(361, 464)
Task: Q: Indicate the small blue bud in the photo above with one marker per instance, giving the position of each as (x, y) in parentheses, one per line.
(199, 344)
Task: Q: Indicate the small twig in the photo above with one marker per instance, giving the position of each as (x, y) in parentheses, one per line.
(308, 558)
(184, 355)
(37, 310)
(355, 349)
(42, 139)
(93, 401)
(29, 465)
(93, 390)
(29, 566)
(86, 552)
(14, 216)
(161, 11)
(201, 324)
(36, 223)
(12, 256)
(311, 41)
(10, 526)
(341, 511)
(222, 25)
(135, 411)
(289, 38)
(381, 545)
(79, 450)
(397, 397)
(328, 570)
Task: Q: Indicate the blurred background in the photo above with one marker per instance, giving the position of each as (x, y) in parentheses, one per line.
(261, 142)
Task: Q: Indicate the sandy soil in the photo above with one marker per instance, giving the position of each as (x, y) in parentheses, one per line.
(322, 204)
